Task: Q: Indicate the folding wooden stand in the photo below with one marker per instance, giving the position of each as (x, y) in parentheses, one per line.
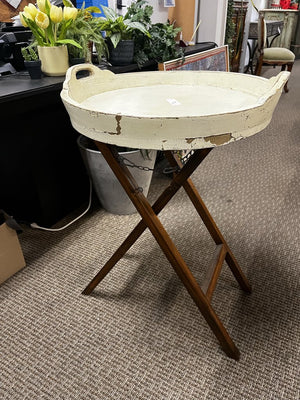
(201, 295)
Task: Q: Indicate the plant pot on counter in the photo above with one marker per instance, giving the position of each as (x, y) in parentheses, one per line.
(34, 69)
(55, 59)
(110, 193)
(122, 54)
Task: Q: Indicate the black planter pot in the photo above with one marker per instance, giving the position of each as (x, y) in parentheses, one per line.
(122, 54)
(34, 69)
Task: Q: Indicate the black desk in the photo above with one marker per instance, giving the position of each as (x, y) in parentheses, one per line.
(41, 172)
(42, 175)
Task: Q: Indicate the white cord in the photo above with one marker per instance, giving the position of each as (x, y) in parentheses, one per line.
(36, 226)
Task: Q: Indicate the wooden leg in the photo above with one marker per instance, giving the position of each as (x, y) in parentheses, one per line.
(211, 225)
(153, 223)
(259, 66)
(289, 68)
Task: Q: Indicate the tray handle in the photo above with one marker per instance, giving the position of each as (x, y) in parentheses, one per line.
(71, 75)
(277, 82)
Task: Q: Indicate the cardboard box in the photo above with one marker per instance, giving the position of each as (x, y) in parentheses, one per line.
(11, 255)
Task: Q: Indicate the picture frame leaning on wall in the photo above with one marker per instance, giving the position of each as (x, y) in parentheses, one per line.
(216, 59)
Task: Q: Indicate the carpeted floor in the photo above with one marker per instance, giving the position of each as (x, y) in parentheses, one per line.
(140, 336)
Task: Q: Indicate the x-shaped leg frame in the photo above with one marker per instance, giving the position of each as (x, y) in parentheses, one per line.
(200, 294)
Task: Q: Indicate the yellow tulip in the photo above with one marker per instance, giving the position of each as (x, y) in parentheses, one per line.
(30, 10)
(70, 13)
(22, 19)
(42, 5)
(27, 15)
(42, 20)
(55, 14)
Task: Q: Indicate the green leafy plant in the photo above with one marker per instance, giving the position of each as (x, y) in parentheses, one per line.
(235, 24)
(29, 53)
(230, 27)
(85, 31)
(140, 11)
(118, 27)
(161, 44)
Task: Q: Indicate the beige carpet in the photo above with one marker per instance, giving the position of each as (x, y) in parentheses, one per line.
(140, 336)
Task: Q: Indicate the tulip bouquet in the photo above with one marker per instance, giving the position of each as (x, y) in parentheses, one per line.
(49, 23)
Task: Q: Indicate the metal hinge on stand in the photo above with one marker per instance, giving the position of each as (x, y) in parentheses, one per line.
(183, 156)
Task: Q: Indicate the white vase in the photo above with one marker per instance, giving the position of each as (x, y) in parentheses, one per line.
(55, 60)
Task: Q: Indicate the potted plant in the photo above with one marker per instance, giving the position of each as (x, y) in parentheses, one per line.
(49, 25)
(119, 31)
(32, 62)
(85, 31)
(160, 45)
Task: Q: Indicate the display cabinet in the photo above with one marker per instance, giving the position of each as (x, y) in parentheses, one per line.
(289, 18)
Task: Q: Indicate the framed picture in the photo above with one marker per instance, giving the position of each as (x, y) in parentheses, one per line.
(216, 59)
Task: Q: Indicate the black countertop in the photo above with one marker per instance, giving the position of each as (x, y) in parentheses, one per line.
(19, 85)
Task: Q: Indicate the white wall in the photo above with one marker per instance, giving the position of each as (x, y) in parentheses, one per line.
(260, 4)
(160, 13)
(251, 16)
(112, 4)
(212, 14)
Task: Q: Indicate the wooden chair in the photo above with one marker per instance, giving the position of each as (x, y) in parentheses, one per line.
(272, 55)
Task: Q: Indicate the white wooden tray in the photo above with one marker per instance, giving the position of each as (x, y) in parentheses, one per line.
(171, 110)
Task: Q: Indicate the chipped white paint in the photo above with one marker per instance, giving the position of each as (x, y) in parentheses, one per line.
(207, 109)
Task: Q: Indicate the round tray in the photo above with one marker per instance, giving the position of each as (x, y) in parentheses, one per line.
(171, 110)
